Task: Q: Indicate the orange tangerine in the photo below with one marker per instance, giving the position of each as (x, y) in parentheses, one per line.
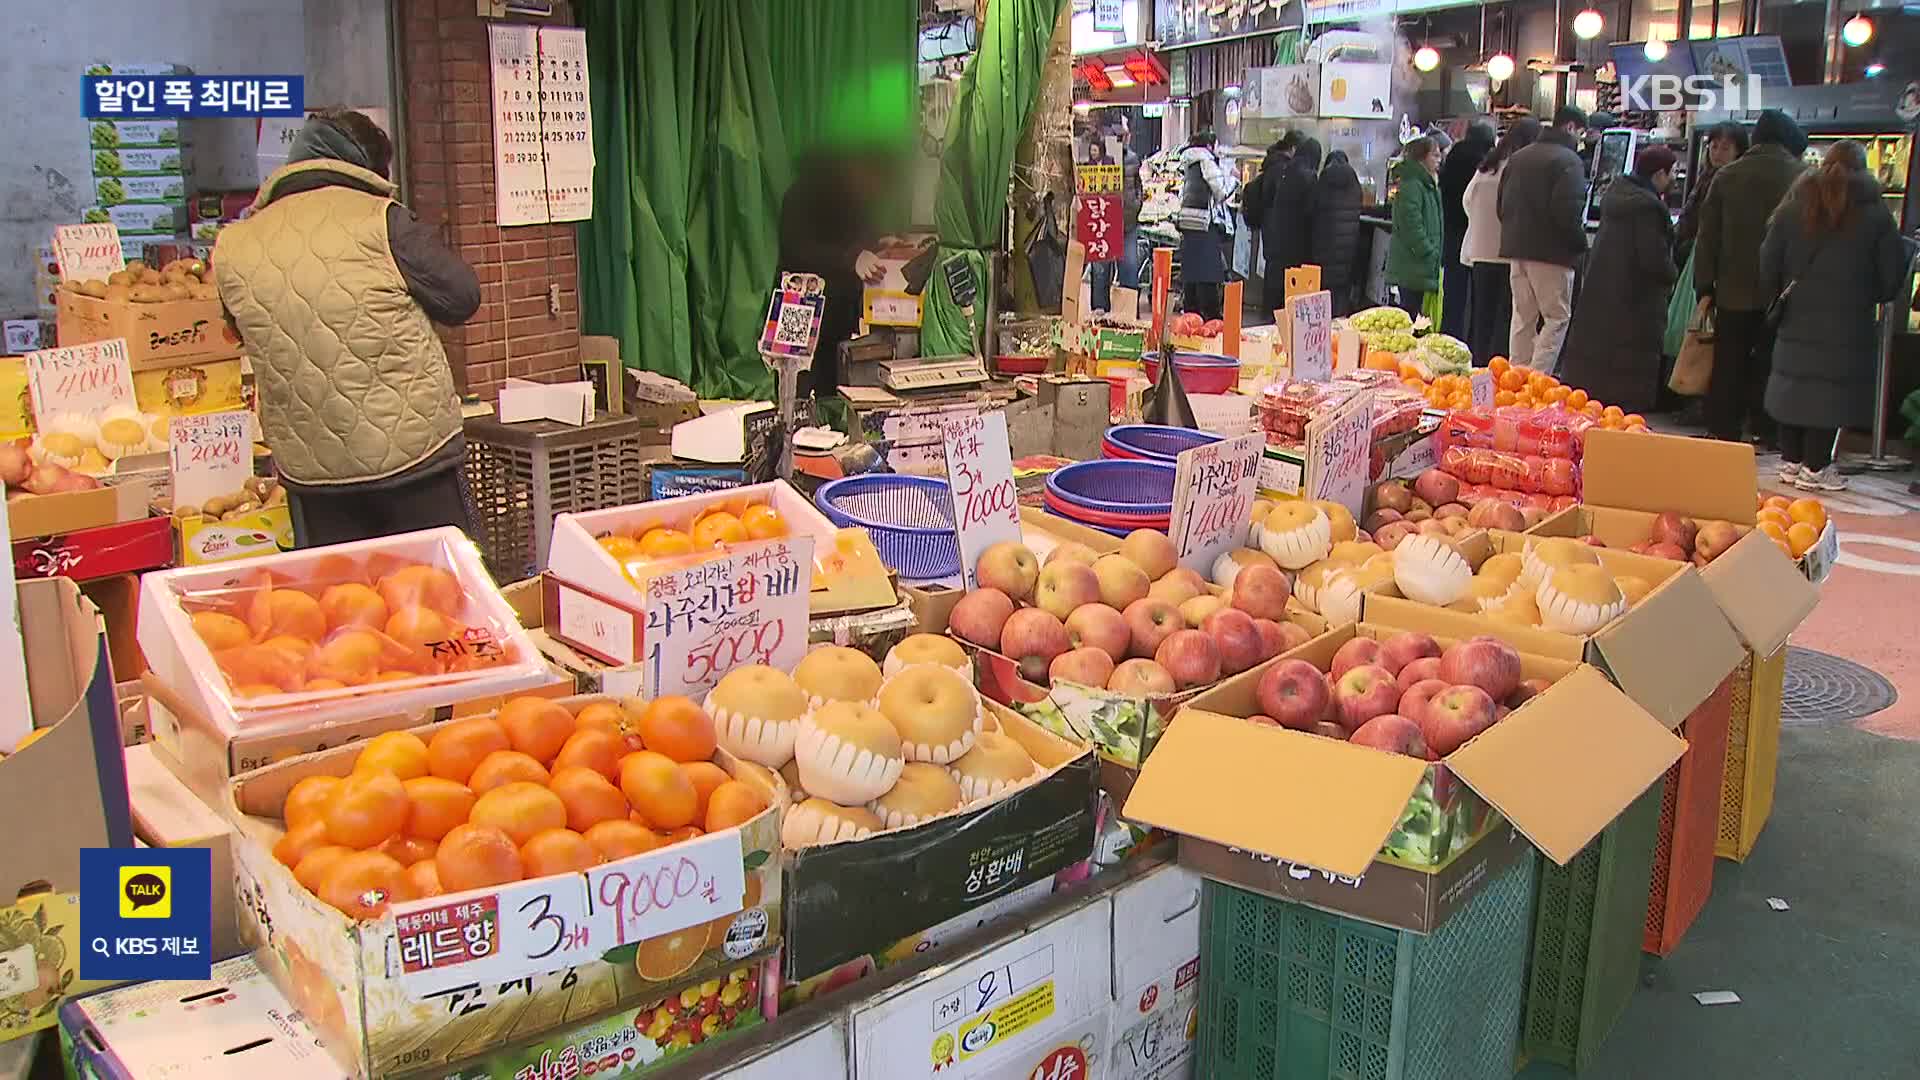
(1613, 412)
(307, 799)
(763, 522)
(1773, 529)
(601, 716)
(353, 604)
(1577, 399)
(1774, 514)
(458, 748)
(706, 778)
(398, 752)
(1504, 397)
(621, 838)
(351, 656)
(1801, 537)
(589, 797)
(658, 789)
(287, 611)
(536, 726)
(324, 684)
(732, 803)
(719, 527)
(663, 957)
(475, 856)
(365, 809)
(504, 767)
(220, 630)
(314, 866)
(424, 878)
(429, 586)
(407, 850)
(418, 626)
(364, 883)
(664, 543)
(593, 749)
(622, 548)
(558, 851)
(519, 809)
(678, 728)
(684, 832)
(301, 841)
(436, 806)
(1779, 502)
(1809, 512)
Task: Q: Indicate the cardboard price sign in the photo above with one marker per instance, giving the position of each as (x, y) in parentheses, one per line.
(1340, 453)
(518, 930)
(746, 606)
(1213, 491)
(986, 505)
(83, 379)
(1310, 336)
(88, 252)
(670, 888)
(211, 455)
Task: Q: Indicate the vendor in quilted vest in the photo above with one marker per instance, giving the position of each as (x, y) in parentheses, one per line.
(334, 287)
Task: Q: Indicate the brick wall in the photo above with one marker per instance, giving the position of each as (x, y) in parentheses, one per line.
(449, 145)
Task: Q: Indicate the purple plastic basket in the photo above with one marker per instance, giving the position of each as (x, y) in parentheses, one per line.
(1116, 486)
(909, 518)
(1155, 442)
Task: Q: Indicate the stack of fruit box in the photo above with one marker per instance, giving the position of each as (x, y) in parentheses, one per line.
(139, 178)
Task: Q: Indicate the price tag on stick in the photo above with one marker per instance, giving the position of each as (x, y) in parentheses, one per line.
(1310, 336)
(83, 379)
(1213, 491)
(211, 455)
(746, 606)
(1340, 453)
(986, 505)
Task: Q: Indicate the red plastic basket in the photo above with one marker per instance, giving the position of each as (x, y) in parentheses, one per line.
(1689, 825)
(1021, 365)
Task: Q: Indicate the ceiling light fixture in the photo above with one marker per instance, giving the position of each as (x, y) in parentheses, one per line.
(1500, 67)
(1588, 24)
(1656, 49)
(1426, 58)
(1857, 31)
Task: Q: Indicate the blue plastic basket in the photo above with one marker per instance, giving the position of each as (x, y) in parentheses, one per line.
(1116, 486)
(1154, 442)
(910, 519)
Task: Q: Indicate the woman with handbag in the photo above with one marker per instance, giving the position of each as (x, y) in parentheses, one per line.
(1833, 254)
(1204, 221)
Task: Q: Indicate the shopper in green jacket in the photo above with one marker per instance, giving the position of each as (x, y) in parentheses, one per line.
(1413, 258)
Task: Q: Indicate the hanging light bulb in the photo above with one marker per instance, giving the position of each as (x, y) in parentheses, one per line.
(1656, 49)
(1500, 67)
(1588, 24)
(1426, 58)
(1857, 31)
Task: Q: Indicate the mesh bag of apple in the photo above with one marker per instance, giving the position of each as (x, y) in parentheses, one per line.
(1132, 621)
(1406, 694)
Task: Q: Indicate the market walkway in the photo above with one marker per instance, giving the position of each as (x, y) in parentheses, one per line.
(1830, 987)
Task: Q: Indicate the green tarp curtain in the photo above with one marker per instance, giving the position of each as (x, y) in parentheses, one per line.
(990, 112)
(697, 109)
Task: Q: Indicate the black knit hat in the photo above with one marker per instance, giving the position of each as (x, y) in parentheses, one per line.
(1775, 126)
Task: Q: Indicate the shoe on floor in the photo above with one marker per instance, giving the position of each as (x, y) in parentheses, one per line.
(1827, 479)
(1790, 472)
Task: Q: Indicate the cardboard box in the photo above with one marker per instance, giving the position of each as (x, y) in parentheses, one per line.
(816, 1053)
(111, 134)
(234, 1026)
(191, 387)
(347, 977)
(149, 247)
(205, 540)
(166, 813)
(1156, 977)
(51, 515)
(71, 785)
(1559, 768)
(167, 218)
(157, 335)
(114, 190)
(852, 898)
(124, 162)
(130, 547)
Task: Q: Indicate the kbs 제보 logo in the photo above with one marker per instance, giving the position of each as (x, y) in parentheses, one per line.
(146, 892)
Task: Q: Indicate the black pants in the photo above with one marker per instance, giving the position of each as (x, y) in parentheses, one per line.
(1204, 298)
(1742, 359)
(323, 516)
(1456, 297)
(1412, 301)
(1809, 446)
(1490, 317)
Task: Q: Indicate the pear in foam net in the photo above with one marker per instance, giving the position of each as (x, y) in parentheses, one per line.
(756, 714)
(1579, 599)
(1543, 557)
(995, 764)
(817, 821)
(936, 712)
(1296, 534)
(925, 791)
(849, 754)
(836, 673)
(928, 649)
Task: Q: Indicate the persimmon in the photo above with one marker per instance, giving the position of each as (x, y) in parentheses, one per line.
(353, 604)
(594, 750)
(365, 809)
(558, 851)
(675, 726)
(398, 752)
(621, 838)
(364, 883)
(707, 778)
(458, 748)
(504, 767)
(436, 806)
(519, 809)
(589, 797)
(536, 726)
(307, 798)
(475, 856)
(658, 789)
(313, 867)
(220, 630)
(425, 585)
(732, 804)
(301, 841)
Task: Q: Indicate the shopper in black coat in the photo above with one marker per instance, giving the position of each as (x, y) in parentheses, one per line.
(1461, 163)
(1613, 349)
(1259, 192)
(1333, 208)
(1286, 236)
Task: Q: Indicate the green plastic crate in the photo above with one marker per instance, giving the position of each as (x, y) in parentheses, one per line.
(1288, 991)
(1588, 920)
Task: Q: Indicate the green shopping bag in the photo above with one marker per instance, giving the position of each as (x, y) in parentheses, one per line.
(1432, 308)
(1680, 310)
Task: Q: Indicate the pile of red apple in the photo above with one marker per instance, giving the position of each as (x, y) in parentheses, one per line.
(1132, 621)
(1682, 539)
(1404, 695)
(1430, 506)
(23, 477)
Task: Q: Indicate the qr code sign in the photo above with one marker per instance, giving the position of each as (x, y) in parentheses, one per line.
(796, 328)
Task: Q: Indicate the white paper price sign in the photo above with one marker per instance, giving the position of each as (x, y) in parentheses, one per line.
(88, 252)
(1310, 336)
(670, 888)
(518, 930)
(1482, 383)
(986, 505)
(1340, 452)
(746, 606)
(1213, 488)
(84, 379)
(211, 455)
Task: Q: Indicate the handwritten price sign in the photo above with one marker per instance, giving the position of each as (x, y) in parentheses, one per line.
(1482, 384)
(211, 455)
(518, 930)
(748, 606)
(1213, 490)
(1310, 335)
(986, 505)
(669, 889)
(85, 379)
(1340, 452)
(88, 252)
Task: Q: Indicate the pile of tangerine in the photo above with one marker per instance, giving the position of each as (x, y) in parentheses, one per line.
(1516, 386)
(531, 791)
(733, 522)
(1794, 525)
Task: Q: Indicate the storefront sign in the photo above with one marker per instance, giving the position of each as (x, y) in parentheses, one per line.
(1310, 336)
(84, 379)
(211, 455)
(747, 606)
(88, 252)
(1106, 15)
(1340, 452)
(1356, 90)
(1100, 25)
(1098, 226)
(986, 505)
(521, 929)
(1213, 490)
(1196, 22)
(542, 124)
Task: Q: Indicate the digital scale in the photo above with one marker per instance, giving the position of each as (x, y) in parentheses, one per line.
(932, 373)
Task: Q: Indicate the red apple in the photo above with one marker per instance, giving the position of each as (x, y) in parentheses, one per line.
(1262, 592)
(1153, 552)
(1327, 729)
(1279, 637)
(1671, 528)
(1496, 514)
(1098, 626)
(1660, 549)
(1389, 536)
(1009, 567)
(1362, 694)
(1381, 518)
(1402, 649)
(1454, 716)
(1714, 538)
(1414, 699)
(1356, 653)
(1391, 495)
(15, 464)
(1237, 638)
(1032, 638)
(1065, 585)
(1436, 487)
(1191, 657)
(1526, 691)
(1087, 666)
(74, 481)
(1179, 587)
(1263, 721)
(1196, 610)
(980, 616)
(1293, 692)
(1121, 582)
(1071, 551)
(1488, 663)
(1394, 734)
(45, 479)
(1150, 622)
(1141, 678)
(1426, 667)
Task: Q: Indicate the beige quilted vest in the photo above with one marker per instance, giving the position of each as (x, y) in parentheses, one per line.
(354, 385)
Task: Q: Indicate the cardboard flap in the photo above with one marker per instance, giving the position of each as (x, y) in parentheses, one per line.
(1563, 766)
(1642, 656)
(1761, 592)
(1287, 794)
(1403, 614)
(1701, 478)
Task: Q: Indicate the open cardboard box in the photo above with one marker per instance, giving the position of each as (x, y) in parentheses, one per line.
(156, 334)
(50, 515)
(166, 813)
(347, 977)
(1306, 818)
(856, 897)
(1703, 479)
(266, 531)
(65, 792)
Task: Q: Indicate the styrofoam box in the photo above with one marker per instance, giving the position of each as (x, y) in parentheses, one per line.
(1156, 976)
(181, 660)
